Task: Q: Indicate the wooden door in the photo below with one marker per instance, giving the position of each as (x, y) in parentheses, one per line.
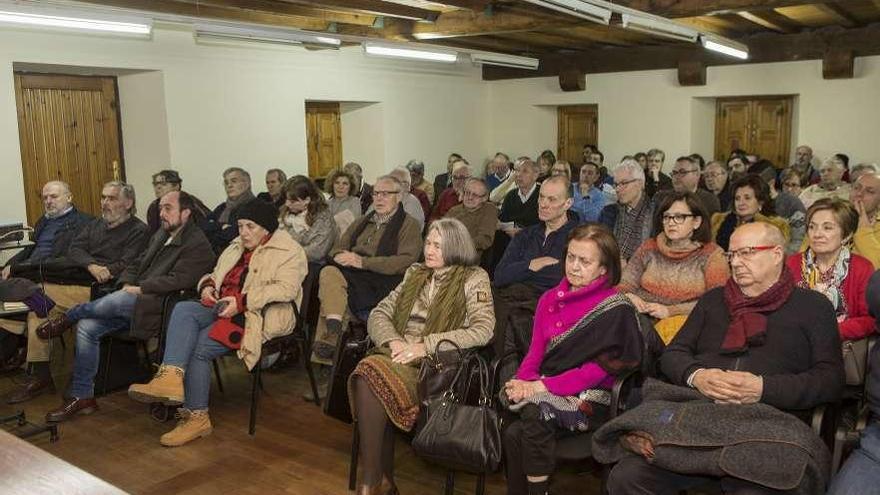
(68, 130)
(578, 125)
(324, 138)
(732, 122)
(771, 130)
(760, 125)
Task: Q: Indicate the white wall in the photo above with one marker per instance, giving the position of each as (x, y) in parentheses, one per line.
(642, 110)
(200, 108)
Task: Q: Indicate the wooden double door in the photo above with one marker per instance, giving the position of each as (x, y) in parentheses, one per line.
(578, 126)
(69, 130)
(759, 125)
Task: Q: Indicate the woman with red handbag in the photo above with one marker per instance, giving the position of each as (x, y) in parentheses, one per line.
(259, 267)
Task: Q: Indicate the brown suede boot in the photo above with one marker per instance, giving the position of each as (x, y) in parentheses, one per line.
(191, 425)
(166, 387)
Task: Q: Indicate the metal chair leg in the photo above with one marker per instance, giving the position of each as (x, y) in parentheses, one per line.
(217, 375)
(481, 484)
(306, 354)
(255, 397)
(355, 450)
(450, 482)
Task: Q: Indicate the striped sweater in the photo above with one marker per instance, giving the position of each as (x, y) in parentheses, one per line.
(657, 273)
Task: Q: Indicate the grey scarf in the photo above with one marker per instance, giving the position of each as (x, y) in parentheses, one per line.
(232, 204)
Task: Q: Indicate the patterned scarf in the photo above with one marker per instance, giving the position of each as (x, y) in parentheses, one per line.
(829, 283)
(447, 308)
(748, 320)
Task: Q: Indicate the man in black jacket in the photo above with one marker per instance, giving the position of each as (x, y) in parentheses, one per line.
(99, 253)
(178, 255)
(758, 339)
(222, 225)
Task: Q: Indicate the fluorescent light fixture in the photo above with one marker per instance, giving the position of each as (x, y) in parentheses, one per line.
(503, 60)
(411, 53)
(75, 22)
(576, 8)
(665, 27)
(263, 35)
(725, 46)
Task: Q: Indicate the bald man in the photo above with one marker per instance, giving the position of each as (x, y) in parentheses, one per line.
(759, 339)
(53, 236)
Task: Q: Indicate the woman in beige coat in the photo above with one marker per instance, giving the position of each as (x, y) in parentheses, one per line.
(237, 311)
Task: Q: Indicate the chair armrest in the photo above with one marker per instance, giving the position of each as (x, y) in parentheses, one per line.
(495, 366)
(623, 383)
(818, 418)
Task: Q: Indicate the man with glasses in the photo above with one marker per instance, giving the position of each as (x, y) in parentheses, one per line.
(830, 185)
(410, 204)
(631, 218)
(451, 196)
(477, 214)
(366, 263)
(866, 199)
(758, 339)
(686, 178)
(716, 175)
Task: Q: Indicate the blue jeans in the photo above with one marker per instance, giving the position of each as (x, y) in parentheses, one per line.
(188, 346)
(95, 319)
(860, 474)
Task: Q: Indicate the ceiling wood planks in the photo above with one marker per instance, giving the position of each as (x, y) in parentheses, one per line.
(774, 30)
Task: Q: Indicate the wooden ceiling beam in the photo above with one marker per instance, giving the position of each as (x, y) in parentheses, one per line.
(763, 48)
(478, 5)
(693, 8)
(491, 44)
(221, 13)
(284, 8)
(460, 23)
(840, 15)
(770, 20)
(375, 7)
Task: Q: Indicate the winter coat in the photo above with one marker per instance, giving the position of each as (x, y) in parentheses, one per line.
(695, 436)
(275, 275)
(166, 267)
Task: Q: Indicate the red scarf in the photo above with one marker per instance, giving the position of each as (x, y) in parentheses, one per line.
(748, 320)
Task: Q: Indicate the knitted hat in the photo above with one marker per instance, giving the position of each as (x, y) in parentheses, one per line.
(259, 212)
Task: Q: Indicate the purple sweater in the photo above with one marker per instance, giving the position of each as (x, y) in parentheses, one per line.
(558, 310)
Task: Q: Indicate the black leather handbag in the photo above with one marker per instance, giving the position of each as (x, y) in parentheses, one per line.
(461, 436)
(438, 370)
(352, 347)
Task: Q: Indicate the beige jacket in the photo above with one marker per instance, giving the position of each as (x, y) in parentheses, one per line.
(275, 275)
(477, 329)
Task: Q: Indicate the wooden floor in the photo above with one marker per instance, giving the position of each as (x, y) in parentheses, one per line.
(296, 449)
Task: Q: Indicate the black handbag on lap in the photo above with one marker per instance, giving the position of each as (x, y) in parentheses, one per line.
(438, 370)
(461, 436)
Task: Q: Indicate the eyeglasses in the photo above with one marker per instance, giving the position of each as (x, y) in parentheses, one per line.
(160, 183)
(677, 218)
(618, 185)
(712, 175)
(682, 173)
(383, 194)
(460, 177)
(791, 184)
(745, 253)
(473, 194)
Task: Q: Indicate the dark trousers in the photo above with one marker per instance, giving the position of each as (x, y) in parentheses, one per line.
(634, 476)
(529, 446)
